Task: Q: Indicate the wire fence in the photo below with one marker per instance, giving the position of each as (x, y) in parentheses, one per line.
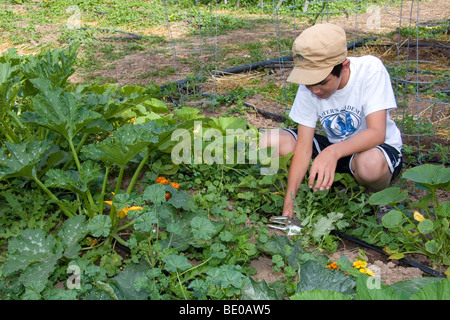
(413, 44)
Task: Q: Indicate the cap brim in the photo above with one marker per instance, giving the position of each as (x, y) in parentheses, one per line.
(308, 77)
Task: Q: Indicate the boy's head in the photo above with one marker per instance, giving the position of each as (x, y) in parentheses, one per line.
(316, 51)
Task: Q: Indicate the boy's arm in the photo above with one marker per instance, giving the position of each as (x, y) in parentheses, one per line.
(298, 167)
(324, 165)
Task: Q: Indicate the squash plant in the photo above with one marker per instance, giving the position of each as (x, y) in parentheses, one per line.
(424, 228)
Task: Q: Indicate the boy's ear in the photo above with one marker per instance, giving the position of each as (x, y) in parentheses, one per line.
(346, 64)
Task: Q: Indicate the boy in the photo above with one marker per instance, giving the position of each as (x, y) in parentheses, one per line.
(351, 97)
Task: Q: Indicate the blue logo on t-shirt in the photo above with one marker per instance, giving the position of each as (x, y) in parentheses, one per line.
(340, 125)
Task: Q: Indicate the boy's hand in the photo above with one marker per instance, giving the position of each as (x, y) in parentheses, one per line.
(288, 208)
(323, 169)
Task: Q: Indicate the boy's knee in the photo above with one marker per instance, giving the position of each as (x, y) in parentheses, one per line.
(371, 167)
(282, 141)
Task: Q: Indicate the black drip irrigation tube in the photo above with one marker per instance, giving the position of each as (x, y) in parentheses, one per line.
(408, 261)
(270, 63)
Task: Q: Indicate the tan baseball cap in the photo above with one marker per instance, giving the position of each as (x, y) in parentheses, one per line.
(316, 51)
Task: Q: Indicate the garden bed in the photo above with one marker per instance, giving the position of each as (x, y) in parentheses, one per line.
(95, 205)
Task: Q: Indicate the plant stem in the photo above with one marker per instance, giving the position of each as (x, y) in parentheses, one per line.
(181, 285)
(136, 173)
(119, 239)
(74, 154)
(52, 196)
(113, 214)
(8, 133)
(126, 226)
(102, 196)
(77, 162)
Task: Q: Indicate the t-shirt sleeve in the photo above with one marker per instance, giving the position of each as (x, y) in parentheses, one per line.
(303, 109)
(378, 91)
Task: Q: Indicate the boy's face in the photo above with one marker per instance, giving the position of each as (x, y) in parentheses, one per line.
(328, 86)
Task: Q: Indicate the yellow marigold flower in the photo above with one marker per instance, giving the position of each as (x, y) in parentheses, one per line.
(162, 180)
(175, 185)
(369, 272)
(358, 264)
(418, 216)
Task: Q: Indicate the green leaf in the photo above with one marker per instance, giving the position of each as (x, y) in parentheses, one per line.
(186, 114)
(227, 275)
(182, 200)
(255, 290)
(155, 193)
(412, 286)
(369, 288)
(9, 87)
(278, 245)
(434, 291)
(100, 226)
(73, 230)
(176, 263)
(125, 281)
(55, 65)
(425, 226)
(21, 159)
(432, 246)
(315, 276)
(392, 219)
(156, 106)
(30, 246)
(430, 175)
(202, 228)
(58, 110)
(320, 295)
(35, 254)
(229, 123)
(388, 196)
(124, 144)
(444, 209)
(146, 221)
(325, 224)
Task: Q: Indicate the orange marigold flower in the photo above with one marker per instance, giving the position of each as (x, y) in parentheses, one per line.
(168, 196)
(333, 266)
(162, 180)
(175, 185)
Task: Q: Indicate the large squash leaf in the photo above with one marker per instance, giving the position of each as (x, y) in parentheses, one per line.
(21, 159)
(60, 111)
(124, 144)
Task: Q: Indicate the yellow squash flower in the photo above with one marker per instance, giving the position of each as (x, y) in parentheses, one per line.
(123, 213)
(418, 216)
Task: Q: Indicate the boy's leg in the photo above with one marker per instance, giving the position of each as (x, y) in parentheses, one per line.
(283, 140)
(375, 168)
(371, 170)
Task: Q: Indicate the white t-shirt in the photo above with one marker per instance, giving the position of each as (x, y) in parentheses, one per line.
(344, 113)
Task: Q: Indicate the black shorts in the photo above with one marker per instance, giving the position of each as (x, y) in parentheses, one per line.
(392, 155)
